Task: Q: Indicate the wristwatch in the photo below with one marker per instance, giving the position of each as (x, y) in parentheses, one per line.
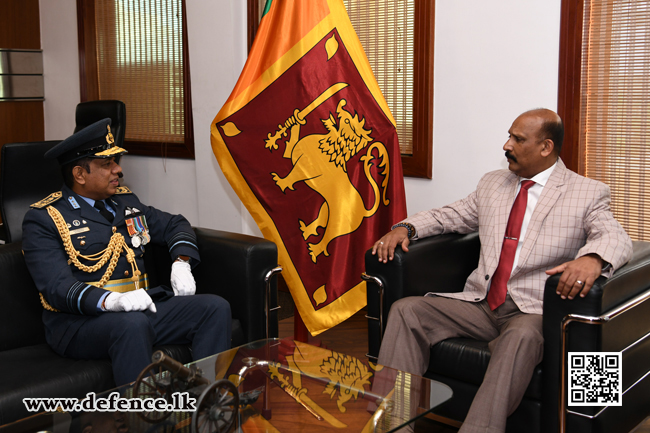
(407, 226)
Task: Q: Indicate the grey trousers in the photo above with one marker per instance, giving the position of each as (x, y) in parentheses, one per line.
(516, 345)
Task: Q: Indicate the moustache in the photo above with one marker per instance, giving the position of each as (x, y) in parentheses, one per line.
(509, 156)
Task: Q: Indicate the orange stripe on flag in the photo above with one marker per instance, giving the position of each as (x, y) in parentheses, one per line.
(295, 21)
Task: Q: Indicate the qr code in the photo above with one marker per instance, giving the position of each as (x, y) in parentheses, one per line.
(595, 379)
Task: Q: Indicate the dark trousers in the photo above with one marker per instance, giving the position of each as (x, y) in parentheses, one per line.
(204, 321)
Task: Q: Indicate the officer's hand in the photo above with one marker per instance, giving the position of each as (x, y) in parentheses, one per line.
(135, 300)
(384, 248)
(182, 279)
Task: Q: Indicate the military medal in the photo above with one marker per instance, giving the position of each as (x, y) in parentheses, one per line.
(136, 224)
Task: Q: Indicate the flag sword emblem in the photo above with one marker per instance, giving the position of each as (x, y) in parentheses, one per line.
(271, 141)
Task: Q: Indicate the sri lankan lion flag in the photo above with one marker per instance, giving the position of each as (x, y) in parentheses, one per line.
(309, 145)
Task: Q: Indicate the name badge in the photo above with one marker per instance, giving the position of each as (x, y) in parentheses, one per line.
(80, 230)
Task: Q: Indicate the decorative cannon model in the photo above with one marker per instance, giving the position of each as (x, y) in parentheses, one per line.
(217, 403)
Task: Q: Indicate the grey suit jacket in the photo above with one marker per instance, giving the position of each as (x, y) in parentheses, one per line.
(572, 218)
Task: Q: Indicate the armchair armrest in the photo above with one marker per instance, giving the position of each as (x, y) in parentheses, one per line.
(607, 332)
(630, 280)
(235, 266)
(439, 263)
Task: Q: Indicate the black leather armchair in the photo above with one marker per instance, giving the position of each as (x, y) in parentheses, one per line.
(90, 112)
(613, 317)
(25, 178)
(237, 267)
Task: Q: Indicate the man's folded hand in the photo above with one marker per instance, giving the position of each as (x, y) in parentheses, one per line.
(135, 300)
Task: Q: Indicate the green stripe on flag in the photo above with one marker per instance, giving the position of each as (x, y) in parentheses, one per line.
(267, 6)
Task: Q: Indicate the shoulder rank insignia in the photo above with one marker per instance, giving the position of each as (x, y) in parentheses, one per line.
(47, 200)
(123, 190)
(73, 203)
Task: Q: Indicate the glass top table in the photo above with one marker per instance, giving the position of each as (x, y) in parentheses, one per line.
(264, 386)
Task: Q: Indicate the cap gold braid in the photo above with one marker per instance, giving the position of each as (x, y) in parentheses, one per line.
(116, 245)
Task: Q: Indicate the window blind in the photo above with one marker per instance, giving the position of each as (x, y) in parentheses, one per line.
(614, 117)
(386, 31)
(140, 61)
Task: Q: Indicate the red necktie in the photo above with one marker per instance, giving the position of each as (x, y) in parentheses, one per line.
(498, 288)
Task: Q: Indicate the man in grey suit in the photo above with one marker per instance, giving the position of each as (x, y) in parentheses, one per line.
(534, 220)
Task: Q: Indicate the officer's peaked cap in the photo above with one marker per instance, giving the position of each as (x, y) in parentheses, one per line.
(94, 141)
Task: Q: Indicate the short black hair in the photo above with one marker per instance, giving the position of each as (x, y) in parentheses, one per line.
(66, 170)
(553, 129)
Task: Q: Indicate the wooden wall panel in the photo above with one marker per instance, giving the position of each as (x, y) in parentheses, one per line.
(87, 50)
(20, 25)
(20, 29)
(25, 119)
(569, 82)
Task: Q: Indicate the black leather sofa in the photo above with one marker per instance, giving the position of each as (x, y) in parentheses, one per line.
(443, 263)
(236, 267)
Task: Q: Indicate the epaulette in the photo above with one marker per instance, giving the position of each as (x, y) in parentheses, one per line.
(123, 190)
(48, 200)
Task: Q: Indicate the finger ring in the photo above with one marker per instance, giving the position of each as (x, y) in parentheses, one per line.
(579, 282)
(381, 243)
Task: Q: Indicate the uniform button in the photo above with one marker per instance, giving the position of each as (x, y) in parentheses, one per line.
(126, 273)
(82, 243)
(487, 277)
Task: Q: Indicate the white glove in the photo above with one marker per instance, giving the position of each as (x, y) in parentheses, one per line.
(182, 279)
(135, 300)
